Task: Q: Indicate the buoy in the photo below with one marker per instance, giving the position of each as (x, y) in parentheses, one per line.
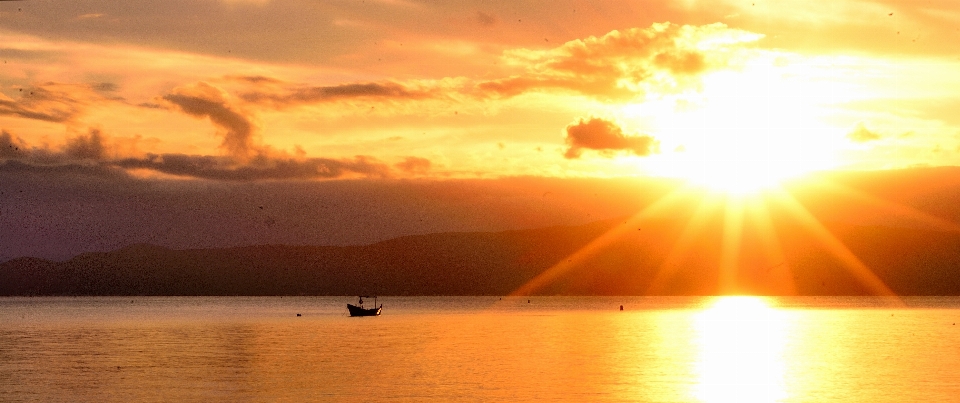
(528, 301)
(621, 307)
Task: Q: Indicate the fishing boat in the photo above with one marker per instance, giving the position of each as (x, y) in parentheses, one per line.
(359, 310)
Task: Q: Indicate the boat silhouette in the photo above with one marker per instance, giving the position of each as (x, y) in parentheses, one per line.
(359, 310)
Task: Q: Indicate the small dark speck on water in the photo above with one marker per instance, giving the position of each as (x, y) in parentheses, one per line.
(298, 314)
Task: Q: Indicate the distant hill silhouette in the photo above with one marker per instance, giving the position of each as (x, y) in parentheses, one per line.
(654, 256)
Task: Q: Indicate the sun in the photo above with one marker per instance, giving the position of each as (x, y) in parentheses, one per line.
(747, 130)
(739, 177)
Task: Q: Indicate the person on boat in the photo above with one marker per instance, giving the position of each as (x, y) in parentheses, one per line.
(361, 301)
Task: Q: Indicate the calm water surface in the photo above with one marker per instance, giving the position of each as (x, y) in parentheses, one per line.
(480, 349)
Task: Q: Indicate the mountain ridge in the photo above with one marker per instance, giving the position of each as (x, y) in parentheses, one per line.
(909, 261)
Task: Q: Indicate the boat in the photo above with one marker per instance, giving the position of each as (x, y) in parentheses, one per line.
(359, 310)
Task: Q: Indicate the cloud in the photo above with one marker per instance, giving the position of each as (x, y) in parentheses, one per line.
(279, 94)
(861, 134)
(93, 154)
(82, 149)
(414, 165)
(622, 64)
(616, 66)
(260, 168)
(51, 102)
(11, 147)
(205, 100)
(88, 147)
(606, 137)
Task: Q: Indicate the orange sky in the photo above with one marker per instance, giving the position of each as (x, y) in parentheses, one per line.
(260, 89)
(208, 123)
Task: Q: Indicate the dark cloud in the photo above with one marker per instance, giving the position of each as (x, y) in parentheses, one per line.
(615, 65)
(261, 168)
(92, 154)
(204, 100)
(279, 94)
(861, 134)
(88, 147)
(11, 147)
(208, 167)
(414, 165)
(606, 137)
(82, 149)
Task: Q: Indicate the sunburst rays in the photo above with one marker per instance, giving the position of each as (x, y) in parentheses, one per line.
(597, 245)
(750, 256)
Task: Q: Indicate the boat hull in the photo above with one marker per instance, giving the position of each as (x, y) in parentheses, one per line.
(358, 311)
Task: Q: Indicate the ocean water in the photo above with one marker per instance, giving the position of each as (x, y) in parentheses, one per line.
(480, 349)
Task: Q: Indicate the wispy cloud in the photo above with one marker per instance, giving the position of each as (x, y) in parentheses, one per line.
(861, 134)
(278, 94)
(51, 102)
(621, 64)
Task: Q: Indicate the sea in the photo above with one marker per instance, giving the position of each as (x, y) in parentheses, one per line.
(480, 349)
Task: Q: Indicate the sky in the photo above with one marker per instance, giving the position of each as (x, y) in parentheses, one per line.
(234, 96)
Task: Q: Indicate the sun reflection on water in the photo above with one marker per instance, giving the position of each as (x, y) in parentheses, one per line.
(741, 343)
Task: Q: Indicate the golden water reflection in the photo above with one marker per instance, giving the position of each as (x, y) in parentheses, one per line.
(741, 343)
(555, 349)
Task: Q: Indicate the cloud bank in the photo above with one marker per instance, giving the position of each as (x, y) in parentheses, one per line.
(93, 154)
